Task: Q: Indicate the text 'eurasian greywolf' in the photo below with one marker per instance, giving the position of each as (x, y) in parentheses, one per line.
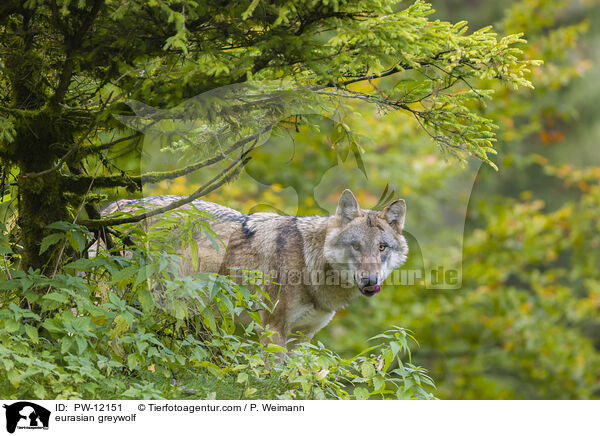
(320, 263)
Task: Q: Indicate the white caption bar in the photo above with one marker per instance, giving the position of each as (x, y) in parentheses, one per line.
(256, 417)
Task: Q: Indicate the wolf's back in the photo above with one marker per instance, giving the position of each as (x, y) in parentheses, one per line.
(216, 210)
(251, 240)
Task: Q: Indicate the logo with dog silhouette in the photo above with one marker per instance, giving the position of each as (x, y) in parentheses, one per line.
(26, 415)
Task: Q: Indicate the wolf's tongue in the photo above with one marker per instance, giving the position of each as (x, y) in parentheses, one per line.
(374, 289)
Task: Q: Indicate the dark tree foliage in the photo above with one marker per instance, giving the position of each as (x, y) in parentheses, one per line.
(68, 66)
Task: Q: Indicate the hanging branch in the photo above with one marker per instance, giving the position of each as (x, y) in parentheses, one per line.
(223, 177)
(94, 149)
(133, 183)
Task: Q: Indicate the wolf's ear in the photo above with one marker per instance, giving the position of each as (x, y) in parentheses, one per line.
(394, 213)
(347, 208)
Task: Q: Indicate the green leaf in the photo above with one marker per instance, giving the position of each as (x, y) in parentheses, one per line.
(81, 344)
(248, 12)
(143, 274)
(242, 377)
(76, 240)
(133, 361)
(56, 296)
(211, 237)
(227, 303)
(274, 348)
(403, 394)
(368, 370)
(50, 240)
(215, 288)
(84, 264)
(121, 326)
(146, 300)
(378, 382)
(53, 325)
(60, 225)
(209, 319)
(65, 346)
(361, 393)
(125, 273)
(14, 378)
(194, 254)
(396, 348)
(11, 326)
(9, 285)
(32, 332)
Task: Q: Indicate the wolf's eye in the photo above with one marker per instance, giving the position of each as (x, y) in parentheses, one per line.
(355, 246)
(382, 247)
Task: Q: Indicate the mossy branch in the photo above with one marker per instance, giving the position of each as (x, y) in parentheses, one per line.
(135, 183)
(223, 177)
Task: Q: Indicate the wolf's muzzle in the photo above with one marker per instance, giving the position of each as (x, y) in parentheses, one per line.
(369, 291)
(368, 285)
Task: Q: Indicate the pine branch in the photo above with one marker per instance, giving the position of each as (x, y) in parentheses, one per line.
(73, 42)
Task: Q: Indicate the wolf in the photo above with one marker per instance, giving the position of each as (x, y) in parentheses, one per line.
(320, 263)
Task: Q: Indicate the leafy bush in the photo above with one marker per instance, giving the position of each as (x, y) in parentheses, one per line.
(131, 326)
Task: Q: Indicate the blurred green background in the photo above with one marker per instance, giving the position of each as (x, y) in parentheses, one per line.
(525, 324)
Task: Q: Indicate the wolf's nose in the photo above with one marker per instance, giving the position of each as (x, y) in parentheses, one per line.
(368, 280)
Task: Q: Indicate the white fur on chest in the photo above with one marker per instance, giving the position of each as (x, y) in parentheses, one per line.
(309, 319)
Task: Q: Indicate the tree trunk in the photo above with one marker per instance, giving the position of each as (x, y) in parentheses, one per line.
(40, 203)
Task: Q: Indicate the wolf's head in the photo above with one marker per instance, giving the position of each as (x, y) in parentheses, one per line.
(366, 244)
